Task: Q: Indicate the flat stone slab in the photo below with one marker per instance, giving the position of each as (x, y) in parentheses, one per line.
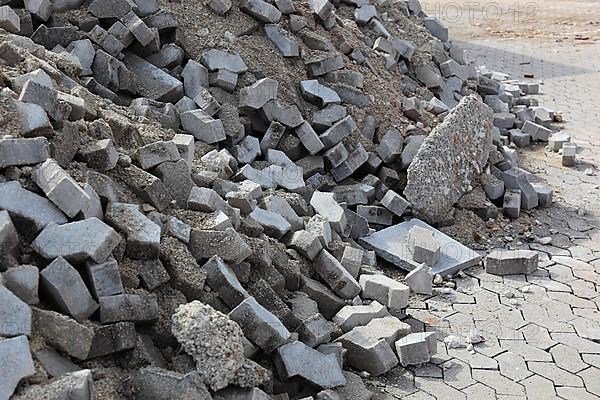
(390, 244)
(450, 160)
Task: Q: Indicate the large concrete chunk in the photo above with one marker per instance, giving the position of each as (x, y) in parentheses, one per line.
(212, 339)
(390, 244)
(450, 159)
(15, 315)
(336, 276)
(67, 290)
(26, 205)
(15, 357)
(260, 326)
(297, 359)
(511, 262)
(143, 235)
(17, 152)
(77, 241)
(152, 82)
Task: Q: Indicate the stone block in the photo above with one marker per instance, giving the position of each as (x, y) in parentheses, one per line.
(286, 114)
(336, 276)
(162, 87)
(338, 131)
(537, 132)
(387, 328)
(66, 290)
(15, 315)
(17, 152)
(106, 40)
(569, 154)
(375, 214)
(318, 94)
(544, 194)
(324, 64)
(558, 140)
(195, 77)
(121, 33)
(297, 359)
(420, 280)
(128, 307)
(169, 56)
(222, 279)
(368, 353)
(100, 155)
(23, 281)
(148, 187)
(511, 262)
(9, 20)
(259, 325)
(325, 205)
(390, 147)
(226, 244)
(385, 290)
(511, 206)
(215, 59)
(282, 40)
(261, 11)
(177, 180)
(281, 206)
(350, 317)
(355, 160)
(15, 353)
(111, 339)
(248, 150)
(258, 94)
(329, 304)
(110, 8)
(310, 140)
(143, 235)
(203, 126)
(336, 155)
(104, 278)
(77, 241)
(306, 243)
(55, 364)
(274, 224)
(138, 28)
(416, 348)
(325, 118)
(352, 260)
(207, 102)
(395, 203)
(185, 146)
(423, 246)
(220, 6)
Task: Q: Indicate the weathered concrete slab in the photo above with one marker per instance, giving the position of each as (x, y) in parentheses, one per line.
(438, 178)
(390, 244)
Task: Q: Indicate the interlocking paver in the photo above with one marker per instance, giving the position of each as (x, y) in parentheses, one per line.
(479, 391)
(567, 358)
(587, 328)
(591, 378)
(499, 383)
(475, 360)
(548, 284)
(569, 393)
(583, 253)
(457, 374)
(539, 388)
(428, 371)
(437, 388)
(537, 336)
(572, 300)
(581, 344)
(561, 273)
(583, 289)
(558, 376)
(528, 352)
(573, 263)
(513, 366)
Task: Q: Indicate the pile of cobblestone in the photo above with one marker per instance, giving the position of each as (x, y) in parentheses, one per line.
(171, 228)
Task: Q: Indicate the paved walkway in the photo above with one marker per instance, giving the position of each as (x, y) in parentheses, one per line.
(542, 332)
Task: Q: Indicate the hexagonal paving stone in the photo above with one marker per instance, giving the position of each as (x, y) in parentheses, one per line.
(539, 388)
(537, 336)
(528, 352)
(573, 263)
(591, 377)
(575, 393)
(457, 374)
(558, 376)
(439, 389)
(572, 300)
(479, 391)
(567, 358)
(476, 360)
(561, 273)
(583, 289)
(499, 383)
(581, 344)
(513, 366)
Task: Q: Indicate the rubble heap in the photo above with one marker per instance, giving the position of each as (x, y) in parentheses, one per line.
(176, 223)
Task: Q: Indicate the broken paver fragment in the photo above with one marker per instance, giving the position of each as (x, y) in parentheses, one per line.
(152, 382)
(227, 244)
(350, 317)
(76, 383)
(19, 151)
(67, 290)
(153, 154)
(274, 224)
(143, 235)
(279, 36)
(221, 278)
(215, 60)
(128, 307)
(259, 325)
(420, 279)
(258, 94)
(437, 180)
(203, 126)
(336, 276)
(319, 94)
(325, 64)
(416, 348)
(309, 138)
(77, 241)
(368, 352)
(390, 244)
(210, 338)
(15, 356)
(261, 10)
(297, 359)
(511, 262)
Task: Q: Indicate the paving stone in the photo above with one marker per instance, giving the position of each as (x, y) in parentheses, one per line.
(500, 384)
(284, 42)
(322, 65)
(106, 40)
(16, 353)
(17, 152)
(355, 160)
(574, 393)
(511, 262)
(325, 205)
(513, 366)
(310, 140)
(567, 358)
(143, 235)
(261, 10)
(390, 147)
(162, 87)
(104, 278)
(128, 307)
(512, 203)
(589, 377)
(416, 348)
(55, 364)
(156, 383)
(203, 126)
(258, 94)
(77, 241)
(319, 94)
(423, 246)
(154, 154)
(368, 353)
(220, 6)
(420, 280)
(215, 59)
(537, 132)
(329, 304)
(205, 244)
(195, 77)
(335, 275)
(352, 260)
(259, 325)
(350, 317)
(385, 290)
(221, 278)
(297, 359)
(67, 290)
(306, 243)
(15, 316)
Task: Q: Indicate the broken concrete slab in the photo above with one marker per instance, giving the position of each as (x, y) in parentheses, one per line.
(297, 359)
(511, 262)
(77, 241)
(434, 180)
(390, 245)
(67, 290)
